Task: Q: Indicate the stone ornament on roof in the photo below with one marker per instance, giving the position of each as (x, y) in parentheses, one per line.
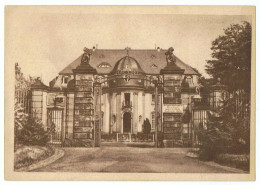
(86, 56)
(127, 50)
(170, 58)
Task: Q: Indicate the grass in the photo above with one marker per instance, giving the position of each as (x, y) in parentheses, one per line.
(26, 155)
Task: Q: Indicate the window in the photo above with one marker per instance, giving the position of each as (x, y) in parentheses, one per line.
(189, 79)
(154, 66)
(153, 56)
(127, 99)
(65, 79)
(104, 65)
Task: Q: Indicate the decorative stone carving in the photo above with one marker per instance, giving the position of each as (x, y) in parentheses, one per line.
(127, 50)
(170, 58)
(86, 56)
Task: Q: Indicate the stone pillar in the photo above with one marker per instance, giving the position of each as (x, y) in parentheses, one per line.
(113, 117)
(148, 106)
(70, 114)
(118, 112)
(143, 105)
(84, 126)
(39, 104)
(97, 113)
(140, 112)
(106, 120)
(44, 109)
(218, 93)
(172, 75)
(135, 113)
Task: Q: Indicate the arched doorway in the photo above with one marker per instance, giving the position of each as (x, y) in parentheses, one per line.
(127, 122)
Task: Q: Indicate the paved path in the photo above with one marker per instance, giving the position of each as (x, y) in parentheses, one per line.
(130, 159)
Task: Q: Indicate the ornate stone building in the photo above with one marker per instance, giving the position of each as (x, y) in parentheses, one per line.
(116, 89)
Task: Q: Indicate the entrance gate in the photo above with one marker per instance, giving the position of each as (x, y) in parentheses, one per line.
(55, 125)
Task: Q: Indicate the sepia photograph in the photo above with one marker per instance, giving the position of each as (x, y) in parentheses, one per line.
(129, 92)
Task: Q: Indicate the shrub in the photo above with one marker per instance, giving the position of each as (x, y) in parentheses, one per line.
(32, 133)
(77, 143)
(108, 137)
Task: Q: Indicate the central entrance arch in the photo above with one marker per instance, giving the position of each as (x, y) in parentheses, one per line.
(127, 122)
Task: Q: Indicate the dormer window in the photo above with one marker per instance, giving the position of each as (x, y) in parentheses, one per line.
(154, 66)
(189, 79)
(102, 56)
(65, 79)
(153, 56)
(104, 65)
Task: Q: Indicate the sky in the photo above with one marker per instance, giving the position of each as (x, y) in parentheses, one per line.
(44, 42)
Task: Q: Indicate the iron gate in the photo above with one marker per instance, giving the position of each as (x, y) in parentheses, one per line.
(55, 125)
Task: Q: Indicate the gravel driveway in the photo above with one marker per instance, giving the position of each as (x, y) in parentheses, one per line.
(134, 158)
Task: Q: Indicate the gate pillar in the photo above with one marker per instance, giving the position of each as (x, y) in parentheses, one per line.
(97, 113)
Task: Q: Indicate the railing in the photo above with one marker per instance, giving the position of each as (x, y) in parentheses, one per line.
(55, 138)
(128, 137)
(24, 97)
(127, 104)
(200, 103)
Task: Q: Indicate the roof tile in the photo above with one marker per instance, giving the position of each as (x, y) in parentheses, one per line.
(146, 58)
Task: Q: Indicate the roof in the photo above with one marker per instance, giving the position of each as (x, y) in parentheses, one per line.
(38, 84)
(127, 64)
(151, 61)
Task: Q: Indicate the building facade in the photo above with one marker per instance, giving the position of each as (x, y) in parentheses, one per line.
(117, 89)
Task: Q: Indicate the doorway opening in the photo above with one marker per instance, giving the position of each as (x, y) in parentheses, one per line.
(127, 122)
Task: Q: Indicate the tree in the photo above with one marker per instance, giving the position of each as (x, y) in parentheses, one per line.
(231, 55)
(20, 119)
(224, 134)
(27, 129)
(147, 126)
(32, 133)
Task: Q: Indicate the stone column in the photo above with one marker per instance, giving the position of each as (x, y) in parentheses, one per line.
(135, 113)
(44, 109)
(118, 112)
(106, 120)
(70, 114)
(143, 101)
(113, 113)
(140, 112)
(39, 104)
